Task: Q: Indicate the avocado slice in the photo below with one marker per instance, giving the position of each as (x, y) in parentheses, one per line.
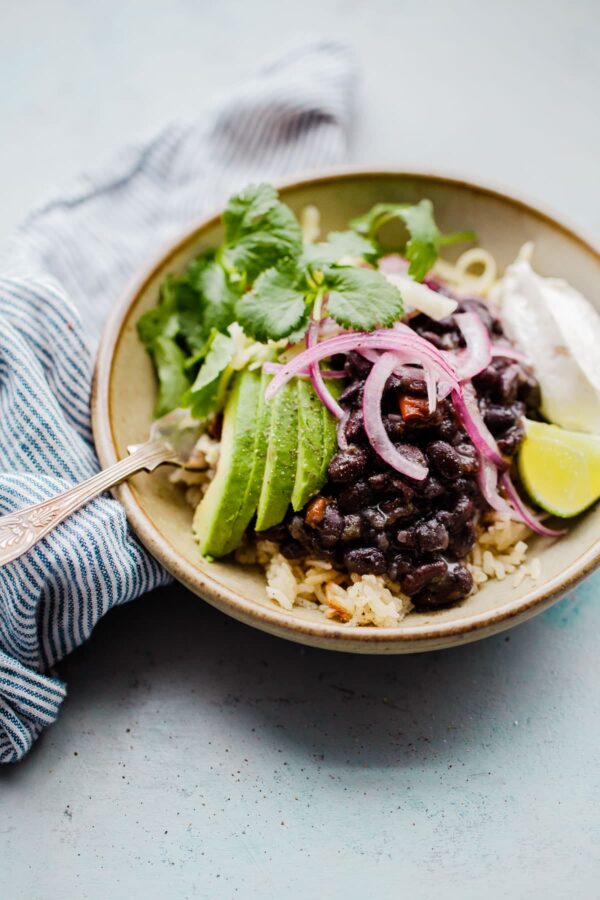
(282, 454)
(317, 441)
(230, 501)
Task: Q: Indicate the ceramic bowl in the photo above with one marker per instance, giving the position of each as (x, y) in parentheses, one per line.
(124, 393)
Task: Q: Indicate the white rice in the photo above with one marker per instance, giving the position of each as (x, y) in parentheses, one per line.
(201, 471)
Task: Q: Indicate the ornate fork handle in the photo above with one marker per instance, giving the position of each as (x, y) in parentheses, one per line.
(21, 530)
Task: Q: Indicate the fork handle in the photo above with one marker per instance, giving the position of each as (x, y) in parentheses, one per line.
(19, 531)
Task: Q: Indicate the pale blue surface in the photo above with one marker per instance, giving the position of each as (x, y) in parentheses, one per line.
(236, 764)
(464, 774)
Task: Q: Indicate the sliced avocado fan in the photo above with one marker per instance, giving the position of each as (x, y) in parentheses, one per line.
(273, 453)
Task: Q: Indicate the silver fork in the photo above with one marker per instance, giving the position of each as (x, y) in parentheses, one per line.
(172, 440)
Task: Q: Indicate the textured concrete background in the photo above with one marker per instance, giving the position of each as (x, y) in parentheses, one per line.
(198, 758)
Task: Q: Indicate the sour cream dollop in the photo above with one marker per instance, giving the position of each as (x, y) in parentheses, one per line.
(558, 329)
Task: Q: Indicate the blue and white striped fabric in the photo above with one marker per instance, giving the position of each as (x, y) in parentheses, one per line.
(59, 276)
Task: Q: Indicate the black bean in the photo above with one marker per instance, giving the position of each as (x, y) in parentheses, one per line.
(347, 465)
(463, 540)
(431, 535)
(379, 482)
(292, 549)
(466, 486)
(332, 526)
(430, 489)
(529, 392)
(406, 537)
(508, 443)
(355, 427)
(394, 425)
(396, 509)
(381, 541)
(444, 458)
(469, 458)
(355, 497)
(297, 527)
(365, 560)
(413, 384)
(305, 536)
(462, 510)
(356, 364)
(352, 393)
(276, 533)
(447, 429)
(412, 453)
(499, 418)
(394, 383)
(421, 575)
(455, 585)
(400, 564)
(401, 488)
(352, 527)
(373, 518)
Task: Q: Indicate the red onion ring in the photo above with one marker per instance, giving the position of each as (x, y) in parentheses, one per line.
(377, 340)
(272, 368)
(487, 478)
(342, 440)
(467, 409)
(374, 426)
(478, 353)
(312, 336)
(507, 352)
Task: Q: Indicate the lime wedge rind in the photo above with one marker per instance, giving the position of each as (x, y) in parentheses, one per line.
(560, 469)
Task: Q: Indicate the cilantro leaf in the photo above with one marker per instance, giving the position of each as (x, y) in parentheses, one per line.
(260, 230)
(425, 238)
(178, 293)
(339, 244)
(276, 305)
(169, 360)
(218, 297)
(161, 320)
(155, 323)
(203, 395)
(243, 210)
(361, 298)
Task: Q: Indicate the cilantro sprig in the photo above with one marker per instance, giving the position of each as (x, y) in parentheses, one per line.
(265, 280)
(425, 238)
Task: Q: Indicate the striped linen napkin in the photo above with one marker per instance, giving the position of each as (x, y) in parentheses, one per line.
(59, 276)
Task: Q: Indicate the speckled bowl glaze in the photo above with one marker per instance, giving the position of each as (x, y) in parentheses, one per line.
(124, 392)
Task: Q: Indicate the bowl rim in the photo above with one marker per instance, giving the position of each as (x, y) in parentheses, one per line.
(235, 603)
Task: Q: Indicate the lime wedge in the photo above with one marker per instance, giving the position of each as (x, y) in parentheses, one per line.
(560, 469)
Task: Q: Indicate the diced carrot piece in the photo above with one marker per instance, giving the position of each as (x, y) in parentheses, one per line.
(315, 512)
(413, 407)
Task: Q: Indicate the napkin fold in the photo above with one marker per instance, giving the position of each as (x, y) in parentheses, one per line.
(59, 276)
